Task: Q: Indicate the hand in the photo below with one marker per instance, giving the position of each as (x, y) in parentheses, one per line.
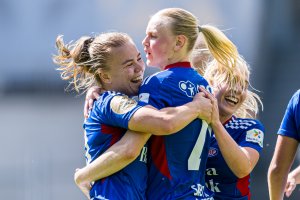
(204, 106)
(215, 109)
(92, 94)
(85, 187)
(290, 186)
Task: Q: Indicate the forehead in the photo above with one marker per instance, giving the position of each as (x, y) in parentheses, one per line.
(158, 23)
(123, 53)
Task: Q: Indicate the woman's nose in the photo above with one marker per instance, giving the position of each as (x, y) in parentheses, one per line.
(145, 41)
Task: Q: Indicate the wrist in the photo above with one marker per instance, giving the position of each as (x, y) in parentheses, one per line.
(216, 124)
(194, 107)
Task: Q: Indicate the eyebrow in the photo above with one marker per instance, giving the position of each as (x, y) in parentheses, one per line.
(130, 60)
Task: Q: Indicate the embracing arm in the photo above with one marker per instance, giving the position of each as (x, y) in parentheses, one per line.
(171, 119)
(280, 166)
(114, 159)
(246, 157)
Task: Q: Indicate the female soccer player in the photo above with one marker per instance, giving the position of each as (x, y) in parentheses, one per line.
(111, 60)
(238, 136)
(177, 163)
(285, 151)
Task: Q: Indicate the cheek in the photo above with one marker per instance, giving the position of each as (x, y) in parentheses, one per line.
(160, 46)
(218, 97)
(243, 97)
(128, 73)
(156, 48)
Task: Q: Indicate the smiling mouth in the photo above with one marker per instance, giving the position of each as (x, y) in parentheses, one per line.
(232, 100)
(137, 79)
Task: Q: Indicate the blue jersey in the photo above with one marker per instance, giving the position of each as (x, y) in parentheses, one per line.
(290, 125)
(102, 129)
(177, 162)
(219, 177)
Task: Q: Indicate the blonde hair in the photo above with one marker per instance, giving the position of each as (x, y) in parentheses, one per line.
(185, 23)
(200, 56)
(81, 62)
(238, 76)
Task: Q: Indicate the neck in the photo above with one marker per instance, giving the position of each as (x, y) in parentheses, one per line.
(224, 118)
(177, 58)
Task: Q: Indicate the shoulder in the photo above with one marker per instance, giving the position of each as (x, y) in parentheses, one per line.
(244, 123)
(297, 94)
(116, 101)
(107, 96)
(295, 99)
(156, 78)
(121, 104)
(252, 130)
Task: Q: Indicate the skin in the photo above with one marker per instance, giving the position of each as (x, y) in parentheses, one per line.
(125, 74)
(292, 181)
(126, 70)
(161, 49)
(225, 103)
(284, 155)
(161, 46)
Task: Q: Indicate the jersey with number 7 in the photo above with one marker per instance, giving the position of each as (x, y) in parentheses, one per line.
(177, 162)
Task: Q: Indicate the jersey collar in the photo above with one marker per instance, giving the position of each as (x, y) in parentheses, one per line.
(231, 118)
(179, 64)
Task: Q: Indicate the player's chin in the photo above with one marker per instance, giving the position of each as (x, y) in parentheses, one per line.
(134, 88)
(149, 62)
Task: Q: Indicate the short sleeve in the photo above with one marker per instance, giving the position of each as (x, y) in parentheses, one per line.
(290, 124)
(253, 137)
(115, 109)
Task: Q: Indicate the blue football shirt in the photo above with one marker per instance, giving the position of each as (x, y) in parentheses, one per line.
(219, 177)
(106, 124)
(290, 125)
(177, 162)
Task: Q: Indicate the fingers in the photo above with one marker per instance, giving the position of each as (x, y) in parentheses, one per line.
(96, 95)
(91, 95)
(90, 103)
(290, 187)
(200, 94)
(208, 94)
(86, 109)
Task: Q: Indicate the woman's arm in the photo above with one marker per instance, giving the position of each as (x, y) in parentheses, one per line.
(91, 95)
(280, 166)
(246, 157)
(165, 121)
(292, 181)
(171, 119)
(118, 156)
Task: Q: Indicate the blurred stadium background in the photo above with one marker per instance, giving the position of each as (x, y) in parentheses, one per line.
(41, 125)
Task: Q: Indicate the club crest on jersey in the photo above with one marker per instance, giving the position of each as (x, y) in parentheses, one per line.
(144, 97)
(212, 152)
(188, 88)
(256, 136)
(122, 104)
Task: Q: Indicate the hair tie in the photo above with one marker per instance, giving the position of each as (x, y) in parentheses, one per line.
(199, 29)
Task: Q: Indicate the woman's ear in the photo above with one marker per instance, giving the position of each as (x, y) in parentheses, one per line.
(105, 77)
(181, 40)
